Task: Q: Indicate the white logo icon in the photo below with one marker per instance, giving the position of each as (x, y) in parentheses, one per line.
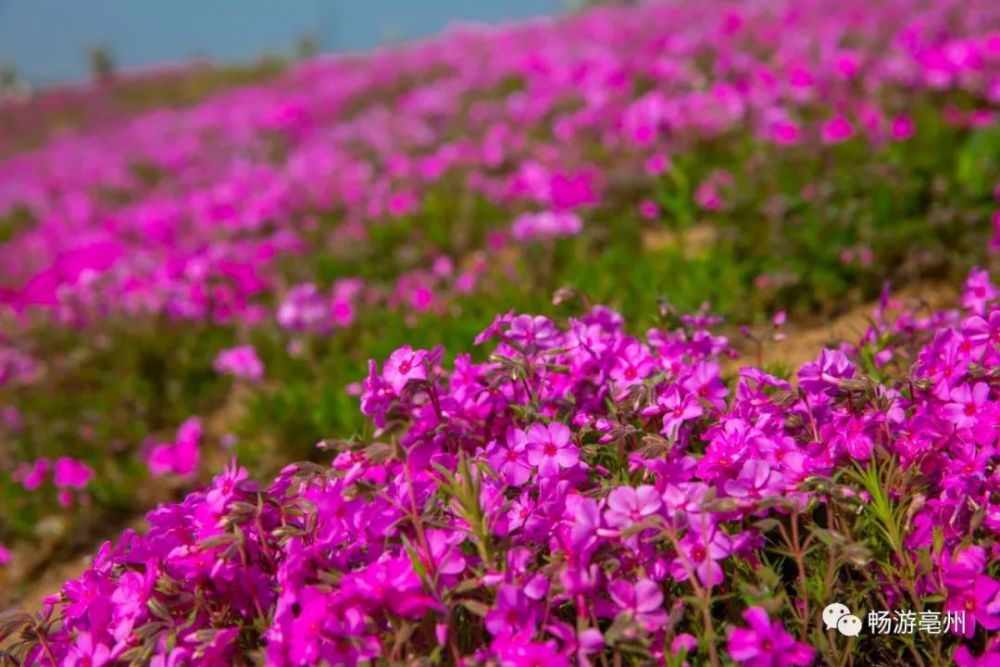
(838, 616)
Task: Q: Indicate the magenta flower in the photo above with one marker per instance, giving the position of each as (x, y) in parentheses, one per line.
(133, 591)
(960, 570)
(643, 601)
(678, 411)
(978, 291)
(34, 476)
(403, 365)
(88, 653)
(518, 652)
(586, 521)
(968, 405)
(837, 130)
(511, 461)
(304, 309)
(628, 506)
(532, 333)
(701, 555)
(71, 474)
(649, 209)
(851, 435)
(225, 486)
(445, 551)
(632, 366)
(980, 604)
(550, 449)
(705, 384)
(5, 555)
(785, 133)
(241, 362)
(180, 457)
(766, 644)
(902, 128)
(826, 373)
(513, 613)
(657, 164)
(963, 657)
(307, 631)
(581, 644)
(755, 481)
(376, 395)
(982, 334)
(520, 510)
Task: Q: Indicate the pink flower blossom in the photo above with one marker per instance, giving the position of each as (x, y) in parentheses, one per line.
(766, 643)
(836, 130)
(180, 457)
(69, 473)
(550, 449)
(404, 365)
(643, 601)
(241, 361)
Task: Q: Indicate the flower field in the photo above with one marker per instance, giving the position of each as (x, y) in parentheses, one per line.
(470, 351)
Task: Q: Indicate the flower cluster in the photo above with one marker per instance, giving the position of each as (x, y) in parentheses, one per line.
(189, 212)
(68, 475)
(585, 495)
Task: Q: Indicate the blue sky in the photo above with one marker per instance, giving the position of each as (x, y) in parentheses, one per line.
(47, 40)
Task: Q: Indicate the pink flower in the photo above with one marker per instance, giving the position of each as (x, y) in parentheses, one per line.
(963, 657)
(512, 613)
(902, 128)
(533, 333)
(679, 410)
(550, 449)
(632, 366)
(72, 474)
(628, 506)
(708, 197)
(180, 457)
(570, 191)
(785, 133)
(657, 164)
(960, 569)
(512, 461)
(88, 653)
(980, 603)
(756, 481)
(643, 601)
(766, 644)
(34, 476)
(978, 291)
(968, 405)
(5, 555)
(241, 362)
(403, 365)
(837, 130)
(648, 209)
(422, 298)
(700, 555)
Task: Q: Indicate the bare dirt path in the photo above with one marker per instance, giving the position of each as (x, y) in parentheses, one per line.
(803, 342)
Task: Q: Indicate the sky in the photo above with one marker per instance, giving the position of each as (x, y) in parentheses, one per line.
(47, 40)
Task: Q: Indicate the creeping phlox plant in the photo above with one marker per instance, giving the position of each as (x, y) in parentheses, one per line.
(188, 212)
(239, 260)
(588, 497)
